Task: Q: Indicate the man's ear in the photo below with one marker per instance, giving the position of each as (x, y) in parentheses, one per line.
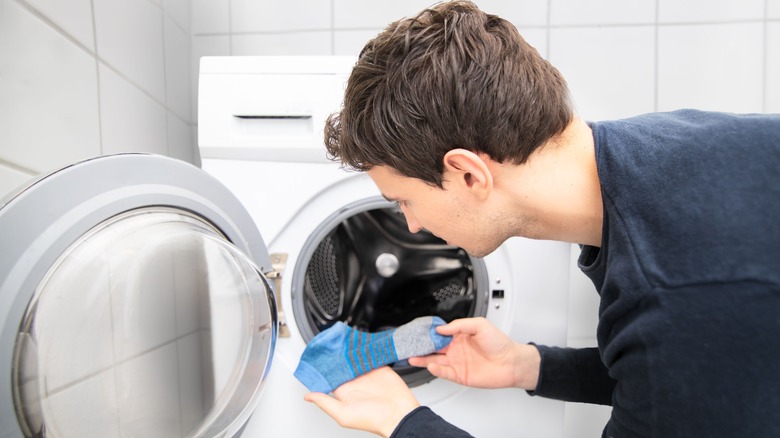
(468, 170)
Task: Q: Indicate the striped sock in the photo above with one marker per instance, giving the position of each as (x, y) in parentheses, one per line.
(341, 353)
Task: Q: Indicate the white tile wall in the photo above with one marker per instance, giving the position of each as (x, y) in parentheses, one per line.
(48, 96)
(357, 14)
(74, 17)
(539, 39)
(610, 70)
(601, 12)
(296, 43)
(772, 92)
(11, 178)
(522, 13)
(351, 42)
(773, 9)
(130, 38)
(180, 140)
(131, 120)
(207, 45)
(714, 66)
(704, 11)
(210, 16)
(269, 16)
(50, 102)
(177, 69)
(179, 11)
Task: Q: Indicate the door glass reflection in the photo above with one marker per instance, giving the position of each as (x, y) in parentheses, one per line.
(150, 325)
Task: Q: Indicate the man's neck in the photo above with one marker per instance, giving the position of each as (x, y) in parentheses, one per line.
(559, 187)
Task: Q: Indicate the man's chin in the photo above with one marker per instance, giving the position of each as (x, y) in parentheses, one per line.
(477, 253)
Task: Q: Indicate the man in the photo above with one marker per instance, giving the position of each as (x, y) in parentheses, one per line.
(455, 117)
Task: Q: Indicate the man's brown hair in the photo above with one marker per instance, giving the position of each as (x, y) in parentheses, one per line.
(451, 77)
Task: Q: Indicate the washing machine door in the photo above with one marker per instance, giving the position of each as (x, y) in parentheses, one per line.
(133, 303)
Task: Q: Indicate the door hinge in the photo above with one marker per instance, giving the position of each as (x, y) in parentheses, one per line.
(278, 262)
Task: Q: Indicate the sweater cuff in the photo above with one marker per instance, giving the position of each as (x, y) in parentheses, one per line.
(541, 371)
(572, 374)
(422, 422)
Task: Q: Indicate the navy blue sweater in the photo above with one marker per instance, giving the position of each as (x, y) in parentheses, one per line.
(689, 277)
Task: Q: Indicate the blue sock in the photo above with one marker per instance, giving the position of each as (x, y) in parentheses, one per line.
(341, 353)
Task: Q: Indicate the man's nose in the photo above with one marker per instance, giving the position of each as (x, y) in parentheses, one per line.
(411, 221)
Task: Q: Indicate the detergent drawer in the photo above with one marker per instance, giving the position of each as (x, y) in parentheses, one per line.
(268, 108)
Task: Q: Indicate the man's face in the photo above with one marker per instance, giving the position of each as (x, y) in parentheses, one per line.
(440, 211)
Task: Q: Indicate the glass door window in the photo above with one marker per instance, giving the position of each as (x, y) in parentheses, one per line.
(150, 325)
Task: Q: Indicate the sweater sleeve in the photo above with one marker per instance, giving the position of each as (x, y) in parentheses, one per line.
(573, 374)
(424, 423)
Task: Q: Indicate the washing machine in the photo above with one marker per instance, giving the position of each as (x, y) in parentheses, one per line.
(141, 296)
(341, 252)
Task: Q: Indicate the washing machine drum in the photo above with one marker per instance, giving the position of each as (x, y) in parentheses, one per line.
(132, 303)
(364, 267)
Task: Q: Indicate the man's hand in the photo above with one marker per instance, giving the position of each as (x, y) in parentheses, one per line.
(374, 402)
(481, 356)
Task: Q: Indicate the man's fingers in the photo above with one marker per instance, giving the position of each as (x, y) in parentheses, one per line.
(443, 371)
(421, 362)
(330, 405)
(437, 364)
(467, 326)
(424, 361)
